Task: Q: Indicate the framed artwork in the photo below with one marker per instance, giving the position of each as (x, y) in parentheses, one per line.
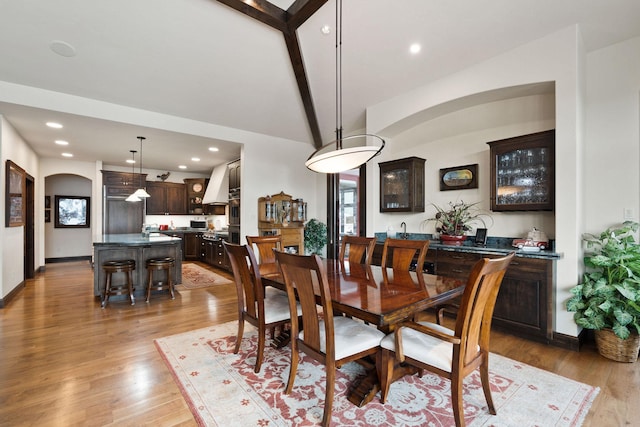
(47, 202)
(72, 212)
(15, 183)
(47, 215)
(459, 178)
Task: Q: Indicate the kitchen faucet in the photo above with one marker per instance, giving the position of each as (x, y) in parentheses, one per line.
(404, 229)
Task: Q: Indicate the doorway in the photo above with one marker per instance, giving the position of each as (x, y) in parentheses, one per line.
(29, 233)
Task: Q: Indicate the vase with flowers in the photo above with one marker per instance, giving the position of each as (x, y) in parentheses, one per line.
(455, 220)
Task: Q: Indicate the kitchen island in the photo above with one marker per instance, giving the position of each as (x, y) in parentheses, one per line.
(138, 248)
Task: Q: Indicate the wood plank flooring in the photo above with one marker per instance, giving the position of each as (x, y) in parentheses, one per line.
(65, 361)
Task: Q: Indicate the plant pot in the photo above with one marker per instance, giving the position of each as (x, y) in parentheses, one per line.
(447, 239)
(614, 348)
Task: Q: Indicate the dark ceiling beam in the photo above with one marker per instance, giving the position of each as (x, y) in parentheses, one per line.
(288, 22)
(262, 11)
(295, 56)
(301, 10)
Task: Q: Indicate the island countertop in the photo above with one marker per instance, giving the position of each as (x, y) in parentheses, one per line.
(135, 239)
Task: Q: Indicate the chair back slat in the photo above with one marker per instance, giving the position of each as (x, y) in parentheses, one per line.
(399, 253)
(247, 279)
(359, 249)
(303, 275)
(265, 246)
(473, 323)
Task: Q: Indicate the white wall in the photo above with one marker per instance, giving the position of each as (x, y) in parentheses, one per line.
(555, 58)
(68, 242)
(14, 148)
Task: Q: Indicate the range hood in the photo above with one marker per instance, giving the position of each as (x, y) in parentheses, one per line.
(218, 188)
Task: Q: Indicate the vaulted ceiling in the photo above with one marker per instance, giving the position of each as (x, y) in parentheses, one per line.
(199, 73)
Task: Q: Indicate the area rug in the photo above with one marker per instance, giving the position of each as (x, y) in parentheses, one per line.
(195, 276)
(221, 389)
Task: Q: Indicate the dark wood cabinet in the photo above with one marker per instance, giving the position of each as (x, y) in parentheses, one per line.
(196, 188)
(192, 246)
(402, 185)
(120, 216)
(213, 253)
(234, 175)
(456, 265)
(523, 172)
(167, 198)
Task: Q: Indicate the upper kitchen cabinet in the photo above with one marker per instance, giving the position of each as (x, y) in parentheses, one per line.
(234, 175)
(196, 188)
(402, 185)
(167, 198)
(523, 172)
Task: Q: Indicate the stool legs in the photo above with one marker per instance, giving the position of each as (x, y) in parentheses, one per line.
(110, 267)
(163, 264)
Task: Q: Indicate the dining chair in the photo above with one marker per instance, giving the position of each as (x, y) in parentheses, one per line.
(332, 341)
(453, 354)
(357, 249)
(399, 253)
(266, 258)
(263, 307)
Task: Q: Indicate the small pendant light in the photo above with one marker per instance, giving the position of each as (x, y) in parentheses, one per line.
(141, 193)
(133, 197)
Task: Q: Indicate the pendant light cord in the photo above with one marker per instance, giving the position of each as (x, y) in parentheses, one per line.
(141, 138)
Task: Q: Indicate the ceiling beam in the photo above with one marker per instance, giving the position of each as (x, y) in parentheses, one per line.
(288, 22)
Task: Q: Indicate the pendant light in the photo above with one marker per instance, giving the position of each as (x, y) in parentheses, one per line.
(352, 151)
(141, 192)
(133, 197)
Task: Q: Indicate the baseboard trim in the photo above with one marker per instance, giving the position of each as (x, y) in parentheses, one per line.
(12, 294)
(67, 259)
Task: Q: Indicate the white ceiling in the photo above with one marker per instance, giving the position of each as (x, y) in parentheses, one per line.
(207, 64)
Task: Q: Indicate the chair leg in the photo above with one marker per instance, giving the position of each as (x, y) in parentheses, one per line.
(240, 333)
(385, 362)
(456, 400)
(328, 396)
(260, 353)
(486, 386)
(107, 289)
(293, 368)
(170, 283)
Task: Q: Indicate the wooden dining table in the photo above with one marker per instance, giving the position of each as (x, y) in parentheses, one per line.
(381, 297)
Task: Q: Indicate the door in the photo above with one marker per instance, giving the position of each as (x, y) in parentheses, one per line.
(346, 207)
(29, 234)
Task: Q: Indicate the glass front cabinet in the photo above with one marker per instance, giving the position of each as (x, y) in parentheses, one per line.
(402, 185)
(523, 173)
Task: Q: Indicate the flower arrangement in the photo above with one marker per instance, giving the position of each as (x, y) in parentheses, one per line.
(458, 218)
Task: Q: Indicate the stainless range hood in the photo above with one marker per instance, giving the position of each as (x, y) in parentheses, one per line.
(218, 188)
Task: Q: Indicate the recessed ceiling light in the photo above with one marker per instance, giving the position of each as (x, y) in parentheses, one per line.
(195, 159)
(62, 48)
(415, 48)
(213, 149)
(67, 155)
(61, 142)
(182, 167)
(54, 125)
(326, 29)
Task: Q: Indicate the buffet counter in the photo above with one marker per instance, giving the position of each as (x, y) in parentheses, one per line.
(139, 248)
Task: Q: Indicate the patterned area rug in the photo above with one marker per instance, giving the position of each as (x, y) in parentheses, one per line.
(222, 390)
(195, 276)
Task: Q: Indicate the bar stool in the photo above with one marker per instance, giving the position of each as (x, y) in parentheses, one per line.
(160, 264)
(118, 266)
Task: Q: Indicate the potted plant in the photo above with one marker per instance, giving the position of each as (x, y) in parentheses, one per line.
(608, 298)
(454, 221)
(315, 236)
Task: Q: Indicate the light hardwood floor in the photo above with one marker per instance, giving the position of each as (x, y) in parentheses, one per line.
(65, 361)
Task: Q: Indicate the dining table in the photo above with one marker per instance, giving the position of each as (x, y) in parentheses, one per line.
(382, 297)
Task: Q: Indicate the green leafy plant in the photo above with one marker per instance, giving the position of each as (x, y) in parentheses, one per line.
(315, 236)
(458, 218)
(609, 294)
